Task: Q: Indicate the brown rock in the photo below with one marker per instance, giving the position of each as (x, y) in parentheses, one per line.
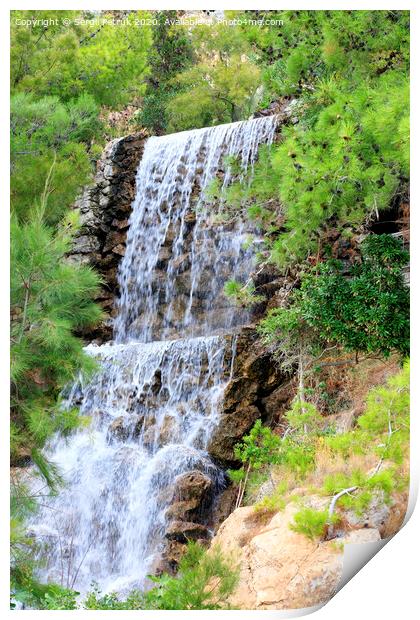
(278, 402)
(120, 224)
(240, 391)
(119, 249)
(231, 428)
(193, 485)
(104, 208)
(118, 429)
(182, 511)
(279, 568)
(183, 531)
(114, 239)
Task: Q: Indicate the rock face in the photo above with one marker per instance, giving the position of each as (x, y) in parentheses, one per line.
(279, 568)
(187, 517)
(104, 208)
(256, 390)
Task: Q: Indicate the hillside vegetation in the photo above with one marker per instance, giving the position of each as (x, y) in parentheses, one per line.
(337, 175)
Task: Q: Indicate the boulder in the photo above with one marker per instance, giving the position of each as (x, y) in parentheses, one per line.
(193, 486)
(279, 568)
(231, 428)
(184, 531)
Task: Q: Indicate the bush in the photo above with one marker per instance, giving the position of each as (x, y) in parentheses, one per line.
(312, 523)
(364, 311)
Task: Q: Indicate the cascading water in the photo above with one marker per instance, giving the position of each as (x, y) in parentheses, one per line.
(155, 400)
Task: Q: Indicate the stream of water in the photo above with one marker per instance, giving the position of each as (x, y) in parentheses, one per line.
(154, 401)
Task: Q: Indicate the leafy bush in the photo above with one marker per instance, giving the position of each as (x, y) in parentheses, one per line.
(312, 523)
(366, 310)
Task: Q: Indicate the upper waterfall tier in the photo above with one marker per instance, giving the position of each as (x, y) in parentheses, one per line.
(179, 253)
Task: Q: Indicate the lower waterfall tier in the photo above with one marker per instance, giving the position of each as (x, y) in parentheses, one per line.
(151, 409)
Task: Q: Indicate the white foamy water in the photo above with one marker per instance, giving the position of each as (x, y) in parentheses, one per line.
(154, 402)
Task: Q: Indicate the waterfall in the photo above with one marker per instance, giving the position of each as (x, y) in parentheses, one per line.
(172, 227)
(154, 401)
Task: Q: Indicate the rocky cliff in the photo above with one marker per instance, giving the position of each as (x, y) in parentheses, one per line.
(104, 208)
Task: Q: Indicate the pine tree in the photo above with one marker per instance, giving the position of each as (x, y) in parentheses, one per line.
(50, 299)
(171, 53)
(80, 54)
(50, 140)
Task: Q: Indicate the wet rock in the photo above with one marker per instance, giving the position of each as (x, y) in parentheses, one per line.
(184, 531)
(193, 486)
(115, 238)
(170, 557)
(181, 263)
(231, 428)
(118, 430)
(104, 207)
(168, 431)
(182, 511)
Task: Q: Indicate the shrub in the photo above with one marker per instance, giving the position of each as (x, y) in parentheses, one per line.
(366, 311)
(312, 523)
(204, 581)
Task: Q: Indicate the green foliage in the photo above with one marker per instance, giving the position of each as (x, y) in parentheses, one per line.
(214, 93)
(312, 45)
(50, 141)
(258, 448)
(243, 294)
(262, 448)
(304, 416)
(221, 87)
(366, 310)
(50, 299)
(312, 523)
(343, 168)
(388, 414)
(204, 581)
(275, 501)
(171, 53)
(384, 425)
(347, 156)
(105, 60)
